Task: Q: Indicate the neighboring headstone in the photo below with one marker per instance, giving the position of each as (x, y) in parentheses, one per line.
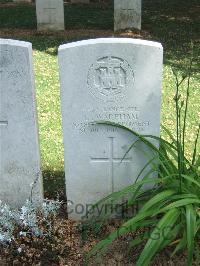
(19, 147)
(112, 79)
(80, 1)
(50, 14)
(127, 14)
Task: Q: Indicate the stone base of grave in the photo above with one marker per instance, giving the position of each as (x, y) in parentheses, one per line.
(49, 27)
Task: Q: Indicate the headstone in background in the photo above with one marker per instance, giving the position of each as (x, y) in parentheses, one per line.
(50, 15)
(19, 146)
(112, 79)
(127, 14)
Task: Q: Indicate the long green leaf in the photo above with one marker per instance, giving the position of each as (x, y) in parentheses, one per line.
(195, 146)
(158, 198)
(192, 180)
(184, 196)
(141, 137)
(169, 133)
(191, 227)
(179, 203)
(172, 235)
(153, 244)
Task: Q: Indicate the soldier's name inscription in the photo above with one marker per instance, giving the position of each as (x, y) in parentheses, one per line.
(117, 114)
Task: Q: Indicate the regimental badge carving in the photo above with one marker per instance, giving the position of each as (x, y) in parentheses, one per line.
(109, 78)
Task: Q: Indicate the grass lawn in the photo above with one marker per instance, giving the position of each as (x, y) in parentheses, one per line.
(173, 23)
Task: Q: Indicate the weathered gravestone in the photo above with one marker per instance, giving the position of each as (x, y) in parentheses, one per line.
(127, 14)
(19, 148)
(110, 79)
(50, 14)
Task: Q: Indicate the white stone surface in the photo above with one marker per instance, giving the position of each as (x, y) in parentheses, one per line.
(106, 79)
(127, 14)
(19, 147)
(50, 15)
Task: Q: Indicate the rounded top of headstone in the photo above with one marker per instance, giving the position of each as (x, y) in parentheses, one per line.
(15, 43)
(111, 41)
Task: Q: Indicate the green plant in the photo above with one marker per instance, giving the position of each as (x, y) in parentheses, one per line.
(170, 210)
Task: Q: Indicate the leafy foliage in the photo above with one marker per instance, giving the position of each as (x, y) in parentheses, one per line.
(170, 210)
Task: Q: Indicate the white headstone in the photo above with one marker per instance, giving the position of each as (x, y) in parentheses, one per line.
(19, 147)
(111, 79)
(50, 14)
(127, 14)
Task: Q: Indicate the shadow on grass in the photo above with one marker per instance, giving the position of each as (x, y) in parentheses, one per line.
(89, 16)
(23, 16)
(173, 23)
(176, 25)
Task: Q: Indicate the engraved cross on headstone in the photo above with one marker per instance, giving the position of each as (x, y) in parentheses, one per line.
(6, 55)
(3, 123)
(50, 9)
(111, 159)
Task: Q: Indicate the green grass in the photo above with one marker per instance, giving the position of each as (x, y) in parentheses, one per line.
(173, 23)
